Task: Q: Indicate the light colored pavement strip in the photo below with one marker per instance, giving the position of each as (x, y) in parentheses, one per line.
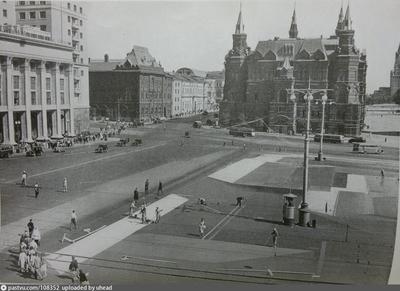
(356, 183)
(101, 196)
(87, 162)
(109, 236)
(234, 172)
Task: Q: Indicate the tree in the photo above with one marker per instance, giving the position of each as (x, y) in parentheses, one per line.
(396, 97)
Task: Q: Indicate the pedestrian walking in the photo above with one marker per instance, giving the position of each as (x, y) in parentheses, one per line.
(146, 187)
(24, 178)
(65, 185)
(158, 216)
(36, 266)
(36, 235)
(132, 208)
(382, 173)
(274, 235)
(74, 269)
(244, 146)
(143, 213)
(202, 227)
(30, 227)
(22, 261)
(239, 201)
(160, 188)
(36, 189)
(73, 220)
(136, 195)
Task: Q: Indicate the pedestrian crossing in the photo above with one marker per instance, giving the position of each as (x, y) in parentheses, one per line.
(110, 235)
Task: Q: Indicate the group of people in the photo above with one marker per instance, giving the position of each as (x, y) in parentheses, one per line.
(36, 187)
(77, 274)
(143, 209)
(30, 260)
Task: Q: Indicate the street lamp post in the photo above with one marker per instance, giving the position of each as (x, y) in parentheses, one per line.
(324, 98)
(293, 98)
(304, 213)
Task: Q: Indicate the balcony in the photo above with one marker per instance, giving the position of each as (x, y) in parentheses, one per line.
(27, 31)
(75, 24)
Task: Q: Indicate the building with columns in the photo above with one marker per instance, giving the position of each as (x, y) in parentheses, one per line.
(66, 22)
(36, 85)
(257, 81)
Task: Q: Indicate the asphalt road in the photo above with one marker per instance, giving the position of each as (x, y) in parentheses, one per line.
(364, 258)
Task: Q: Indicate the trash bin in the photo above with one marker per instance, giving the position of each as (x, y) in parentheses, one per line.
(288, 209)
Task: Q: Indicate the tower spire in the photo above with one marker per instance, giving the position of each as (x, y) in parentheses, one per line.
(239, 25)
(293, 26)
(339, 25)
(347, 19)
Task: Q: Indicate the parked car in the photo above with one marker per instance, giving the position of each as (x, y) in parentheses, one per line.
(137, 142)
(101, 148)
(123, 142)
(197, 124)
(6, 151)
(357, 139)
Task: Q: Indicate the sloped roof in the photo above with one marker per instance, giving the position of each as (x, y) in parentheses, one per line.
(280, 46)
(102, 66)
(140, 56)
(215, 75)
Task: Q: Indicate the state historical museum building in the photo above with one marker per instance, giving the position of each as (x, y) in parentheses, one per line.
(257, 83)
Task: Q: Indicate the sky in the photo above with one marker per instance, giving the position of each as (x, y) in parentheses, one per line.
(198, 34)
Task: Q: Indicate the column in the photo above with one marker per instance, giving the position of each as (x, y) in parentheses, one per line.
(39, 120)
(58, 101)
(23, 126)
(54, 119)
(28, 104)
(10, 102)
(71, 98)
(6, 133)
(43, 114)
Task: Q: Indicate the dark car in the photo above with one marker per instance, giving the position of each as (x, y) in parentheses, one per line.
(6, 151)
(101, 148)
(357, 139)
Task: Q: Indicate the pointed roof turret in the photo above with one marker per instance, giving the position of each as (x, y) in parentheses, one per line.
(347, 19)
(339, 25)
(239, 25)
(293, 26)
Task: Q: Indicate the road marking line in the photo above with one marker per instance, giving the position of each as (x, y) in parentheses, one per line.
(98, 242)
(226, 223)
(321, 258)
(148, 259)
(222, 220)
(85, 163)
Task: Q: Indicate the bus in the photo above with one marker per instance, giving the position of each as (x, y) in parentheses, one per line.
(332, 138)
(367, 148)
(242, 131)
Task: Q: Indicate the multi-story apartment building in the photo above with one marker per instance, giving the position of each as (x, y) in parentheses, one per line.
(192, 94)
(176, 104)
(7, 12)
(133, 89)
(214, 89)
(36, 85)
(66, 22)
